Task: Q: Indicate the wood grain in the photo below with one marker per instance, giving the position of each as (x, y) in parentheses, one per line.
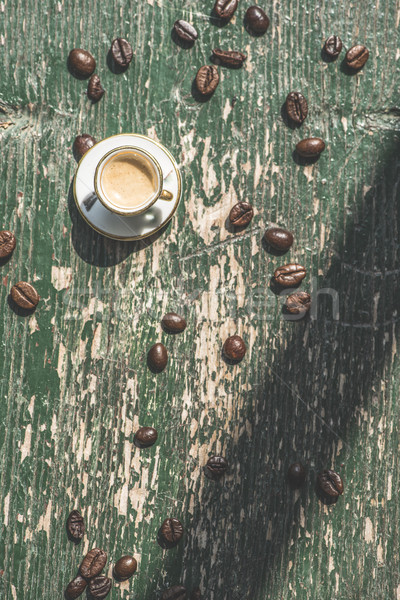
(74, 381)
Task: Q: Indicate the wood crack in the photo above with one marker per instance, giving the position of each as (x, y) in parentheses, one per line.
(220, 244)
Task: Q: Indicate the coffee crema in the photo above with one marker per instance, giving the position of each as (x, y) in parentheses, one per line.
(128, 180)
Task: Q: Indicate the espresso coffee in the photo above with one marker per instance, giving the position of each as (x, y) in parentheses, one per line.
(128, 180)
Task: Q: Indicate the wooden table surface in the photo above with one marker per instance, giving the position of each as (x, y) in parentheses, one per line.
(74, 381)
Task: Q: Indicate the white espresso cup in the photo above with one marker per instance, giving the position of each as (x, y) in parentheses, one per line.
(128, 180)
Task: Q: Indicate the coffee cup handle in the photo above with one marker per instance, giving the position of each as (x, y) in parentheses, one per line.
(166, 195)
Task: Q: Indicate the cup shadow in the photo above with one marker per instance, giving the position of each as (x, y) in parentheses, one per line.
(97, 249)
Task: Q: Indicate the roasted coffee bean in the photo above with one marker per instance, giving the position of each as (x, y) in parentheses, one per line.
(217, 466)
(330, 483)
(196, 595)
(125, 567)
(75, 588)
(146, 437)
(310, 147)
(356, 57)
(224, 9)
(172, 530)
(289, 275)
(176, 592)
(173, 323)
(95, 91)
(229, 58)
(100, 587)
(121, 52)
(7, 243)
(157, 357)
(241, 214)
(93, 563)
(207, 80)
(298, 303)
(234, 348)
(185, 31)
(333, 46)
(256, 19)
(296, 107)
(296, 475)
(82, 144)
(75, 525)
(81, 62)
(24, 295)
(278, 238)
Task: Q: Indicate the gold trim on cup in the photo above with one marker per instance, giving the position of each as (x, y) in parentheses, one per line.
(135, 237)
(158, 194)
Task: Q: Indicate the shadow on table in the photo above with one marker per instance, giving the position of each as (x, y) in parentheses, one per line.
(305, 407)
(97, 249)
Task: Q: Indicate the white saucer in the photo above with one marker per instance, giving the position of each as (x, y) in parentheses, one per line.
(108, 223)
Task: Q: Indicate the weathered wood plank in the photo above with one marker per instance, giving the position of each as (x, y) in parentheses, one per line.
(74, 382)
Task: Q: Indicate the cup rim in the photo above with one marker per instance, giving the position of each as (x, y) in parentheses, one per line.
(108, 205)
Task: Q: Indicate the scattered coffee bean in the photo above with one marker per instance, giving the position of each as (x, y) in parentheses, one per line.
(95, 91)
(310, 147)
(81, 62)
(229, 58)
(207, 80)
(196, 595)
(256, 19)
(356, 57)
(185, 31)
(234, 348)
(82, 144)
(296, 107)
(330, 483)
(75, 525)
(100, 587)
(24, 295)
(289, 275)
(173, 323)
(333, 46)
(217, 466)
(93, 563)
(279, 239)
(224, 9)
(125, 567)
(241, 214)
(171, 530)
(298, 303)
(146, 437)
(75, 588)
(296, 475)
(157, 357)
(176, 592)
(7, 243)
(121, 52)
